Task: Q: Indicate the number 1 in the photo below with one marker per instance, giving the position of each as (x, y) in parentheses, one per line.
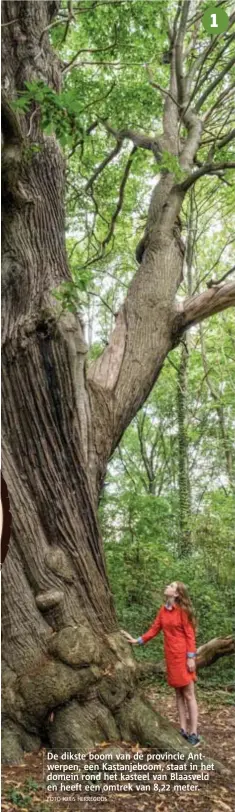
(214, 24)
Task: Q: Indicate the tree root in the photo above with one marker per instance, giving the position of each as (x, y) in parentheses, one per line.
(78, 708)
(15, 740)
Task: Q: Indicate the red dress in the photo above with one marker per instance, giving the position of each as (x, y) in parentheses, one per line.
(179, 639)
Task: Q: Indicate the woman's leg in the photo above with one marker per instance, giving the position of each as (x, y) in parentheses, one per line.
(181, 707)
(190, 699)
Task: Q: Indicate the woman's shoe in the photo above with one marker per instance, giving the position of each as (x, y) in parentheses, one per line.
(183, 733)
(193, 739)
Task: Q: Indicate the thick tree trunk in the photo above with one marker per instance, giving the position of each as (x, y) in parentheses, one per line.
(57, 607)
(62, 650)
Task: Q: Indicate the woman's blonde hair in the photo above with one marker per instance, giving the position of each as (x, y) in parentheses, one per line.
(184, 601)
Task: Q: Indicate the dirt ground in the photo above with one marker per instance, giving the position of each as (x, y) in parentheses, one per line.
(22, 785)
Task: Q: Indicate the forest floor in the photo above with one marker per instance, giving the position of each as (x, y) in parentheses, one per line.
(22, 785)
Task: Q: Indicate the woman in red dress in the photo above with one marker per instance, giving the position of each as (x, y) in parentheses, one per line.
(177, 621)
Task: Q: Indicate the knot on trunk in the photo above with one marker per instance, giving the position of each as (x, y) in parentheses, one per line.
(75, 645)
(49, 599)
(59, 563)
(113, 690)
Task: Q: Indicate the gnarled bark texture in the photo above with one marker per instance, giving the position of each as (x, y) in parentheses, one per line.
(62, 650)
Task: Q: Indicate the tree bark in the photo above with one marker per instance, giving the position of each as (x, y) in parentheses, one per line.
(58, 611)
(185, 507)
(184, 483)
(62, 650)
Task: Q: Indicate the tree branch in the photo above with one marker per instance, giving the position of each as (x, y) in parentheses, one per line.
(120, 198)
(200, 307)
(202, 58)
(218, 101)
(159, 87)
(216, 60)
(213, 282)
(214, 84)
(209, 652)
(80, 142)
(70, 64)
(226, 139)
(207, 169)
(103, 164)
(179, 41)
(139, 139)
(70, 19)
(194, 127)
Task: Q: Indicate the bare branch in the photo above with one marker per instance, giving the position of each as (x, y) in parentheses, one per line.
(213, 282)
(10, 22)
(226, 244)
(159, 87)
(120, 199)
(81, 140)
(216, 60)
(197, 308)
(226, 139)
(139, 139)
(69, 20)
(202, 58)
(145, 459)
(118, 65)
(207, 169)
(103, 164)
(217, 142)
(214, 84)
(218, 101)
(93, 293)
(70, 64)
(176, 18)
(127, 470)
(56, 22)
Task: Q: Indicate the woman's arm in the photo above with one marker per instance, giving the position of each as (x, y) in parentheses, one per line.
(154, 629)
(190, 640)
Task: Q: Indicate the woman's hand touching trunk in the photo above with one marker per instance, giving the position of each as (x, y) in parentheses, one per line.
(128, 636)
